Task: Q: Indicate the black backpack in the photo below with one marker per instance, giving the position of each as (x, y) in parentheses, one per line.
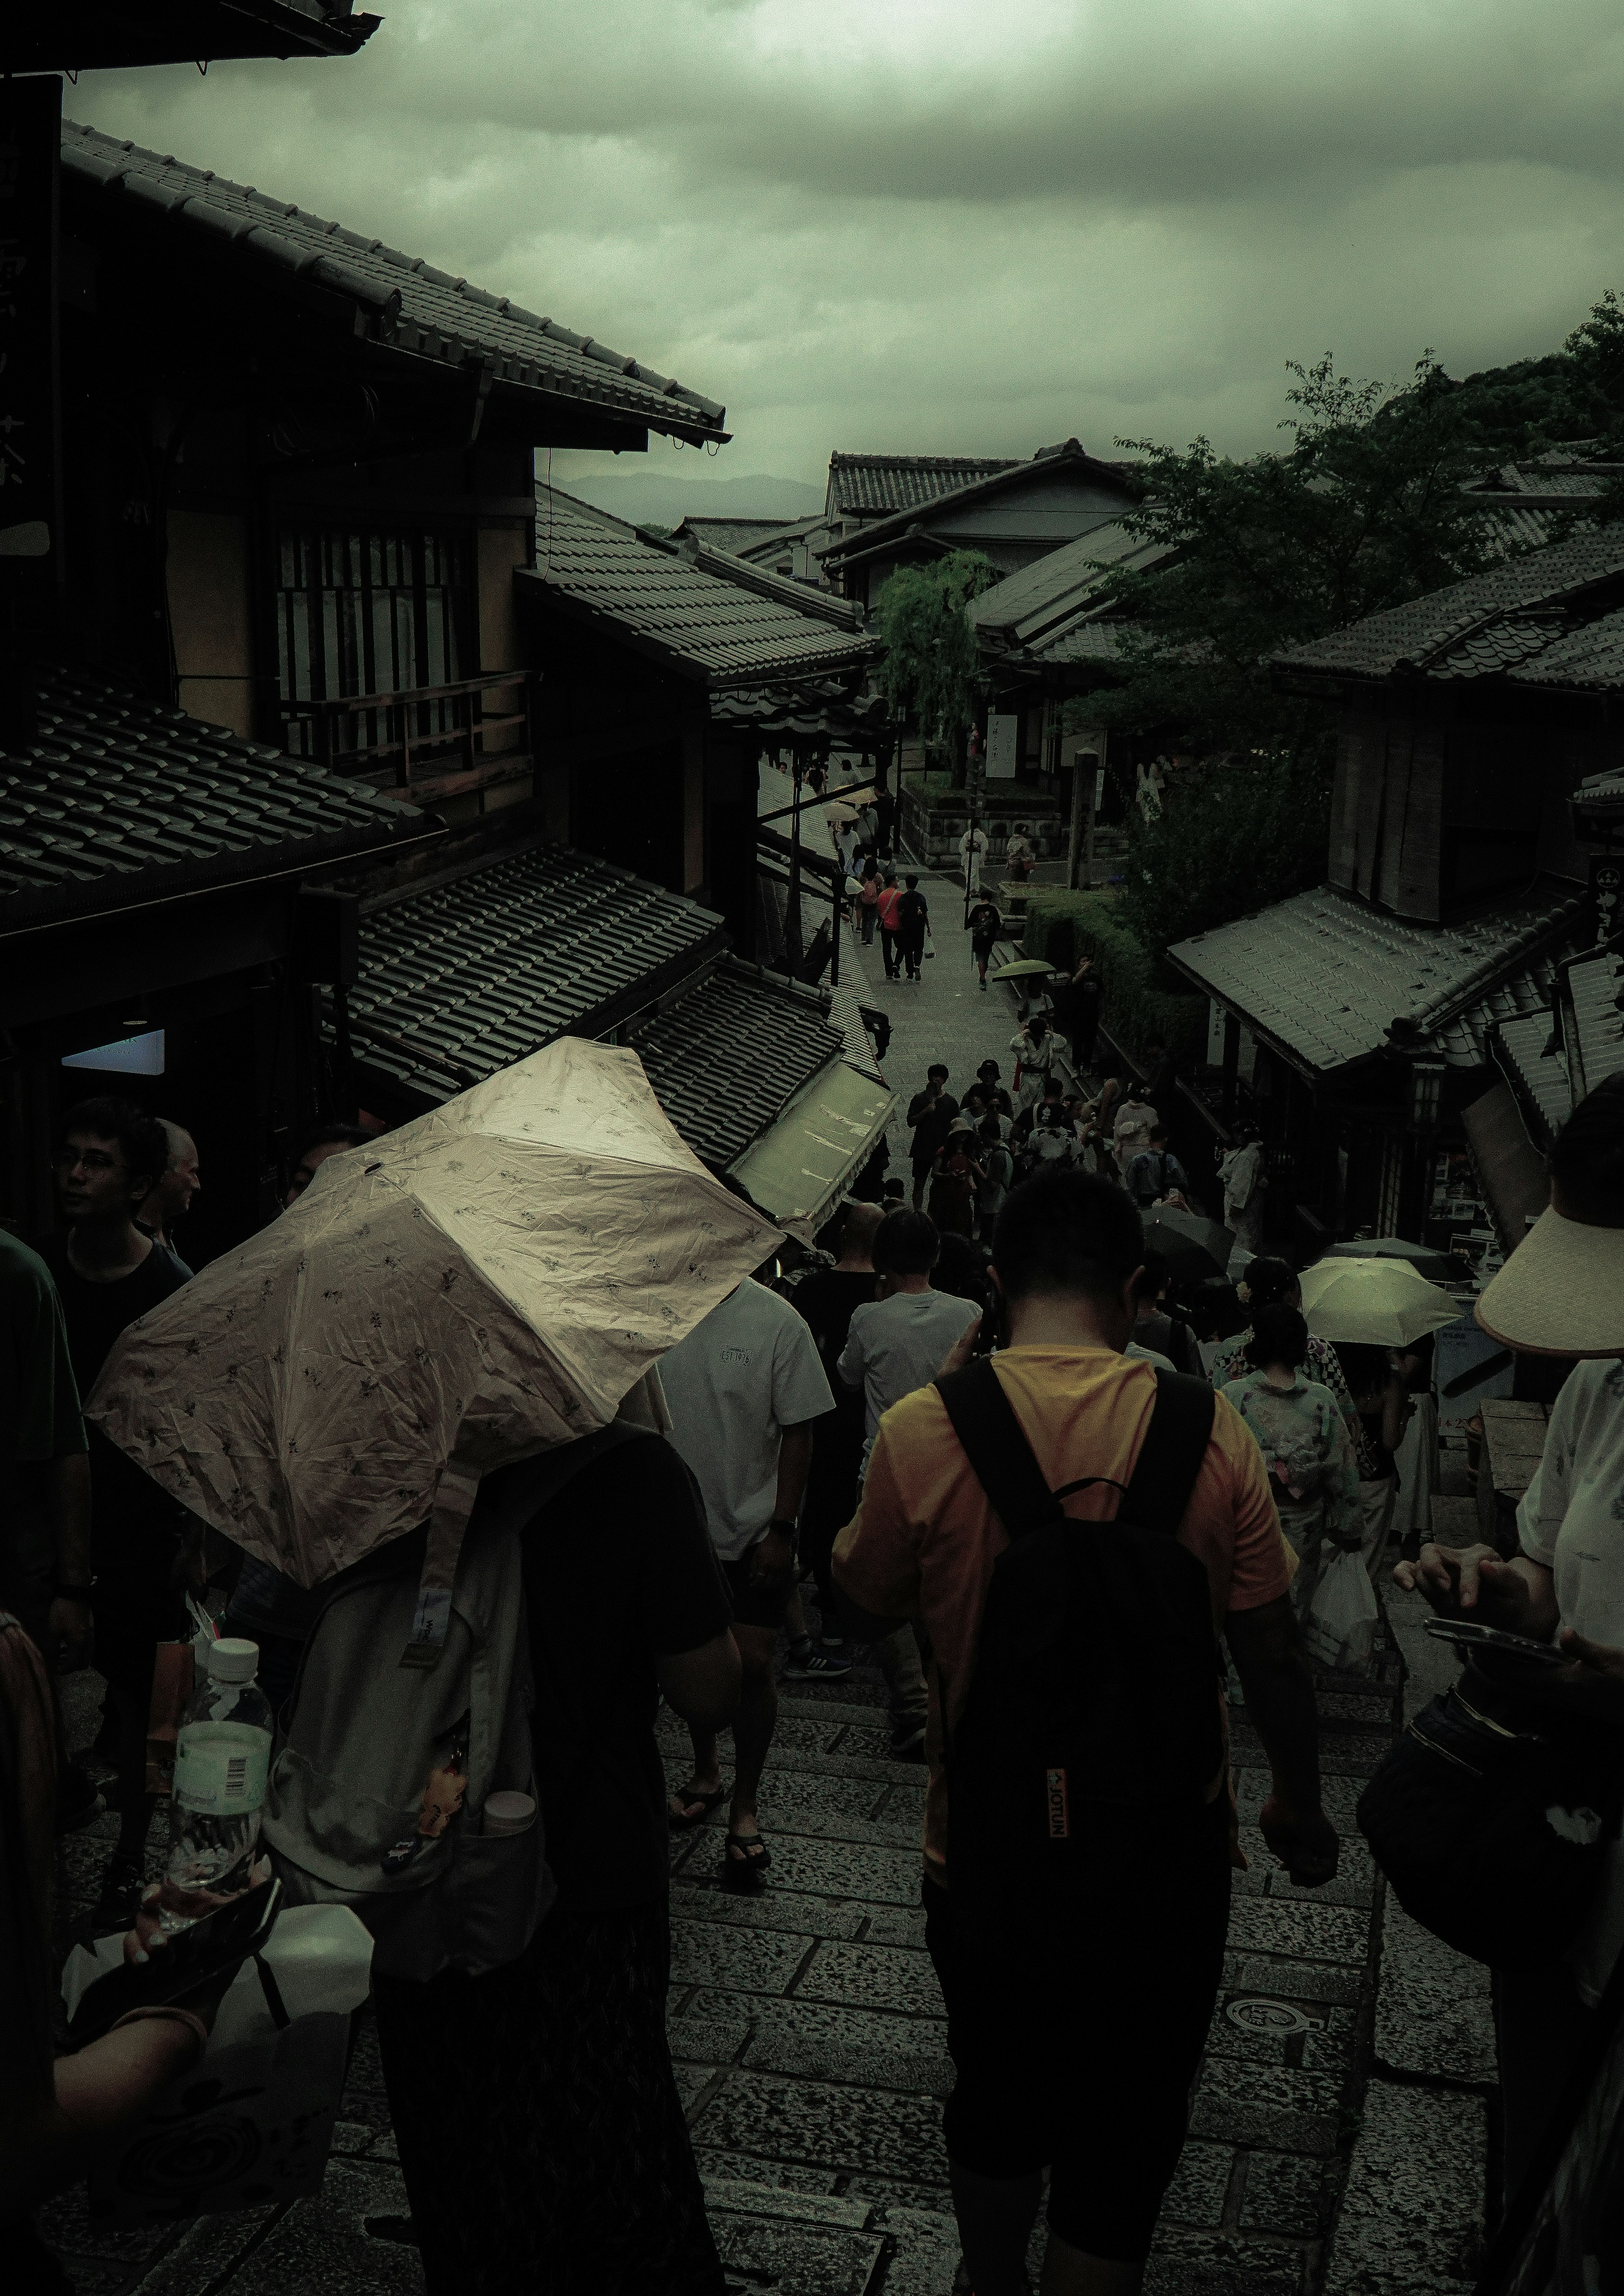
(1095, 1695)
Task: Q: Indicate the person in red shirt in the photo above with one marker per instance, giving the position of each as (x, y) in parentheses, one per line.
(891, 924)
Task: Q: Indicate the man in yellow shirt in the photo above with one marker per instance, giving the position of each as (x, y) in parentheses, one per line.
(1092, 2077)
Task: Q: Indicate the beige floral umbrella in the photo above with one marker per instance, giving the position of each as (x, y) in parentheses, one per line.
(488, 1281)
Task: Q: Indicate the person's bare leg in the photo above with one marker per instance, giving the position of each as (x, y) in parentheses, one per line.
(1069, 2271)
(752, 1724)
(707, 1774)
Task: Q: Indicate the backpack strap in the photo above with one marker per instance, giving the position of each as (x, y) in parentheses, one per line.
(1171, 1454)
(996, 1445)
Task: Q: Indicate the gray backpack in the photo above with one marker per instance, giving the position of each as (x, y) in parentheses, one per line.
(370, 1721)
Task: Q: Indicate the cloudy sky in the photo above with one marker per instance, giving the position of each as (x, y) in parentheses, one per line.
(970, 226)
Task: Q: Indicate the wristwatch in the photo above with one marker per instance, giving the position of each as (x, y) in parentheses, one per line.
(60, 1592)
(779, 1523)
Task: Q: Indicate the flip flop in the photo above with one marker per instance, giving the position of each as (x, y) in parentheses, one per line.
(703, 1804)
(744, 1873)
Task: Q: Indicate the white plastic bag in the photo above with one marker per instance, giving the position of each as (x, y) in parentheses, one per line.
(1340, 1626)
(253, 2121)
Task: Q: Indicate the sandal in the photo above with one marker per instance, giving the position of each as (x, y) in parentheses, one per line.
(744, 1872)
(703, 1804)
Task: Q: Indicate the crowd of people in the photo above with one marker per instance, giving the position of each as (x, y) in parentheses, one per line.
(819, 1495)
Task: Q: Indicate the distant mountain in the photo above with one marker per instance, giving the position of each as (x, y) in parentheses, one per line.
(646, 497)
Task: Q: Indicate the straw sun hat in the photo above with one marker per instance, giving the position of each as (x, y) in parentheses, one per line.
(1562, 1290)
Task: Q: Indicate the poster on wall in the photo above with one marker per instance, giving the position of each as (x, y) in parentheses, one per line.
(1003, 746)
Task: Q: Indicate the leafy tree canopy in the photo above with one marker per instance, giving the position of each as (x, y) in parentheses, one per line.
(929, 665)
(1231, 839)
(1363, 511)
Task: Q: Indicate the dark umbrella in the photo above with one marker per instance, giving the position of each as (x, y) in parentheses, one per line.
(1437, 1267)
(1192, 1247)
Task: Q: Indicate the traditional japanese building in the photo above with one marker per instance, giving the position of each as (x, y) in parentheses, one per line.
(322, 660)
(1391, 1016)
(1013, 512)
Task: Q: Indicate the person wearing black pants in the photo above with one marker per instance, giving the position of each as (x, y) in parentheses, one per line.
(1084, 2067)
(1079, 1992)
(912, 921)
(827, 1299)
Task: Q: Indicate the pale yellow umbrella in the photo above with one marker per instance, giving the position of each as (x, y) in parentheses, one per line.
(486, 1283)
(1381, 1303)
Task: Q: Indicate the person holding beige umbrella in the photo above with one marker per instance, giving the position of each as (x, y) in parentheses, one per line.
(1370, 1310)
(485, 1285)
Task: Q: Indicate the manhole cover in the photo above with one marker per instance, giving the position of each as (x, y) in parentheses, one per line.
(1276, 2017)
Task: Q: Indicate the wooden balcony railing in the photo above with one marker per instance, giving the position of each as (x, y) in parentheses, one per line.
(426, 741)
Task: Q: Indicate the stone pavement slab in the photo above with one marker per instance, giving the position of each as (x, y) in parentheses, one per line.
(1411, 2219)
(1433, 2015)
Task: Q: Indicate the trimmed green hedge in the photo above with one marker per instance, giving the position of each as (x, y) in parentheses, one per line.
(1061, 926)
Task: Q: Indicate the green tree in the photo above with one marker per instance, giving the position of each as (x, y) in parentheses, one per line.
(1235, 837)
(1363, 511)
(928, 670)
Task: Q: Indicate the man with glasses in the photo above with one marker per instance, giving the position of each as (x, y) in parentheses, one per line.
(108, 1272)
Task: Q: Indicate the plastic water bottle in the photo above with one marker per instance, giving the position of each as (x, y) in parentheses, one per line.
(222, 1760)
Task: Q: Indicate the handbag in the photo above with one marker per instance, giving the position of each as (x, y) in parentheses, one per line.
(1492, 1821)
(929, 942)
(1339, 1628)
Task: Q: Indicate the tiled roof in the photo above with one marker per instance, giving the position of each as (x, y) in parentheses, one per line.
(1327, 976)
(726, 1058)
(1495, 622)
(767, 545)
(816, 706)
(461, 977)
(702, 612)
(437, 317)
(121, 800)
(1591, 658)
(1554, 478)
(108, 34)
(1511, 529)
(1080, 641)
(875, 534)
(1594, 990)
(1538, 1078)
(1466, 1038)
(875, 485)
(1030, 602)
(734, 534)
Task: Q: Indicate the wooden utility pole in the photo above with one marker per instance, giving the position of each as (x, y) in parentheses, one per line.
(1092, 801)
(1085, 805)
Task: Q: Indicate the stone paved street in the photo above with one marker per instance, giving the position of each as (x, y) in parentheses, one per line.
(1338, 2137)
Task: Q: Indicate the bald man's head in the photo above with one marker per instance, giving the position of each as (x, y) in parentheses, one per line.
(859, 1229)
(171, 1199)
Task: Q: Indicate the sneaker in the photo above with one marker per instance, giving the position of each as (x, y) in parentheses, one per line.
(79, 1803)
(909, 1742)
(817, 1666)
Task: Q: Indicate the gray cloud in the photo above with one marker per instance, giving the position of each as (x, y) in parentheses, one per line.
(930, 223)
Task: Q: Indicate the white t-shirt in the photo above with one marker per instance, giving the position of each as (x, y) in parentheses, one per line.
(898, 1344)
(1572, 1519)
(732, 1387)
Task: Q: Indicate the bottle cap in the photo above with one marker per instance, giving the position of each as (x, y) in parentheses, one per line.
(230, 1660)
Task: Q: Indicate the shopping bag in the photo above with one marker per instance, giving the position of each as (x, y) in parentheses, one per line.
(252, 2122)
(1340, 1626)
(929, 943)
